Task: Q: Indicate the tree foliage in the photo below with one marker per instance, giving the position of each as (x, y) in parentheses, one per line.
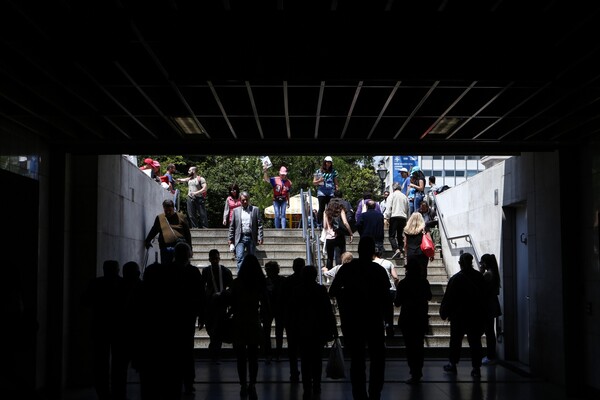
(356, 175)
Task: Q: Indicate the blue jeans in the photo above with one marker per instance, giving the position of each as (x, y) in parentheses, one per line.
(245, 244)
(419, 196)
(197, 212)
(279, 208)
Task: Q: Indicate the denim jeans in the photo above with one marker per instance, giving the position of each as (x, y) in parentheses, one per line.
(197, 212)
(279, 208)
(245, 244)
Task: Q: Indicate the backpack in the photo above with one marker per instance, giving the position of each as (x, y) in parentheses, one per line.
(351, 219)
(338, 226)
(441, 189)
(349, 214)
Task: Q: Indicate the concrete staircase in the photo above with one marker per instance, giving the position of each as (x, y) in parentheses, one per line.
(284, 246)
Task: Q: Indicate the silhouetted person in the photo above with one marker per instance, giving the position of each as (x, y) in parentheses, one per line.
(129, 328)
(248, 296)
(274, 283)
(172, 299)
(313, 320)
(361, 288)
(464, 305)
(489, 268)
(286, 290)
(216, 280)
(102, 296)
(412, 296)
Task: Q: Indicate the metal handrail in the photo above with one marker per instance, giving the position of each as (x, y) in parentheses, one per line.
(452, 239)
(310, 238)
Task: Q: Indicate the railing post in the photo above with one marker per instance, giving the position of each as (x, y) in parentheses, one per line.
(305, 234)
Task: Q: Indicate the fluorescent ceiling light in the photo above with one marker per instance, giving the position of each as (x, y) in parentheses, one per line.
(188, 125)
(444, 126)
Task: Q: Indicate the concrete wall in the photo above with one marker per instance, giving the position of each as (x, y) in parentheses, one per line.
(529, 180)
(128, 202)
(110, 206)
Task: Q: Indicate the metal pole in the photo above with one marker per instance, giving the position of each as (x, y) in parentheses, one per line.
(315, 239)
(304, 223)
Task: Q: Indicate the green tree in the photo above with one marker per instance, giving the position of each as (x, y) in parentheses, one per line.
(356, 175)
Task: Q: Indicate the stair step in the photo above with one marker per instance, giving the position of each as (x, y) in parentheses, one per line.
(284, 245)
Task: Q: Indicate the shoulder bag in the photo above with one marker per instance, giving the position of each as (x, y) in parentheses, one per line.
(427, 246)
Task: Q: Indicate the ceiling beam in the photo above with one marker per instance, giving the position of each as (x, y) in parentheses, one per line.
(166, 75)
(286, 110)
(114, 99)
(148, 99)
(385, 106)
(354, 99)
(319, 105)
(416, 109)
(254, 110)
(447, 110)
(223, 112)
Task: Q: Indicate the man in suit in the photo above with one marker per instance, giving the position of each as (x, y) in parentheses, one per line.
(246, 229)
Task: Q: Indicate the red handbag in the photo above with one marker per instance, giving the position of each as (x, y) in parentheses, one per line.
(427, 246)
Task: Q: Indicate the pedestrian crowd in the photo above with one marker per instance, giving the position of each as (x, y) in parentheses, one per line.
(177, 298)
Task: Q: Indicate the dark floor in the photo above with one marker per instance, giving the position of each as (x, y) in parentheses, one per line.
(219, 381)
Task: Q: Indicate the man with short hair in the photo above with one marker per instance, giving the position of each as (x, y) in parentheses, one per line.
(371, 224)
(396, 214)
(197, 191)
(245, 229)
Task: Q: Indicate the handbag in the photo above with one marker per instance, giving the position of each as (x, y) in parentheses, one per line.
(335, 365)
(427, 246)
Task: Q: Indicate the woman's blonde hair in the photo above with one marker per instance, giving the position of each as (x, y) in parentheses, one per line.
(346, 257)
(415, 224)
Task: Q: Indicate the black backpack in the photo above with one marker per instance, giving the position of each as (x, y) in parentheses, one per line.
(338, 226)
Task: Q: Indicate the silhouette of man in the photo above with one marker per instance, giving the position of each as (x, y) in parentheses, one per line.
(287, 288)
(173, 299)
(464, 304)
(129, 327)
(361, 288)
(216, 279)
(102, 295)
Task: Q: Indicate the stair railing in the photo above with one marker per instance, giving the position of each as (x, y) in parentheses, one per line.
(452, 239)
(313, 248)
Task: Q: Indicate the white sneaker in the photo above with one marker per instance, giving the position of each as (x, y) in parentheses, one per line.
(487, 361)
